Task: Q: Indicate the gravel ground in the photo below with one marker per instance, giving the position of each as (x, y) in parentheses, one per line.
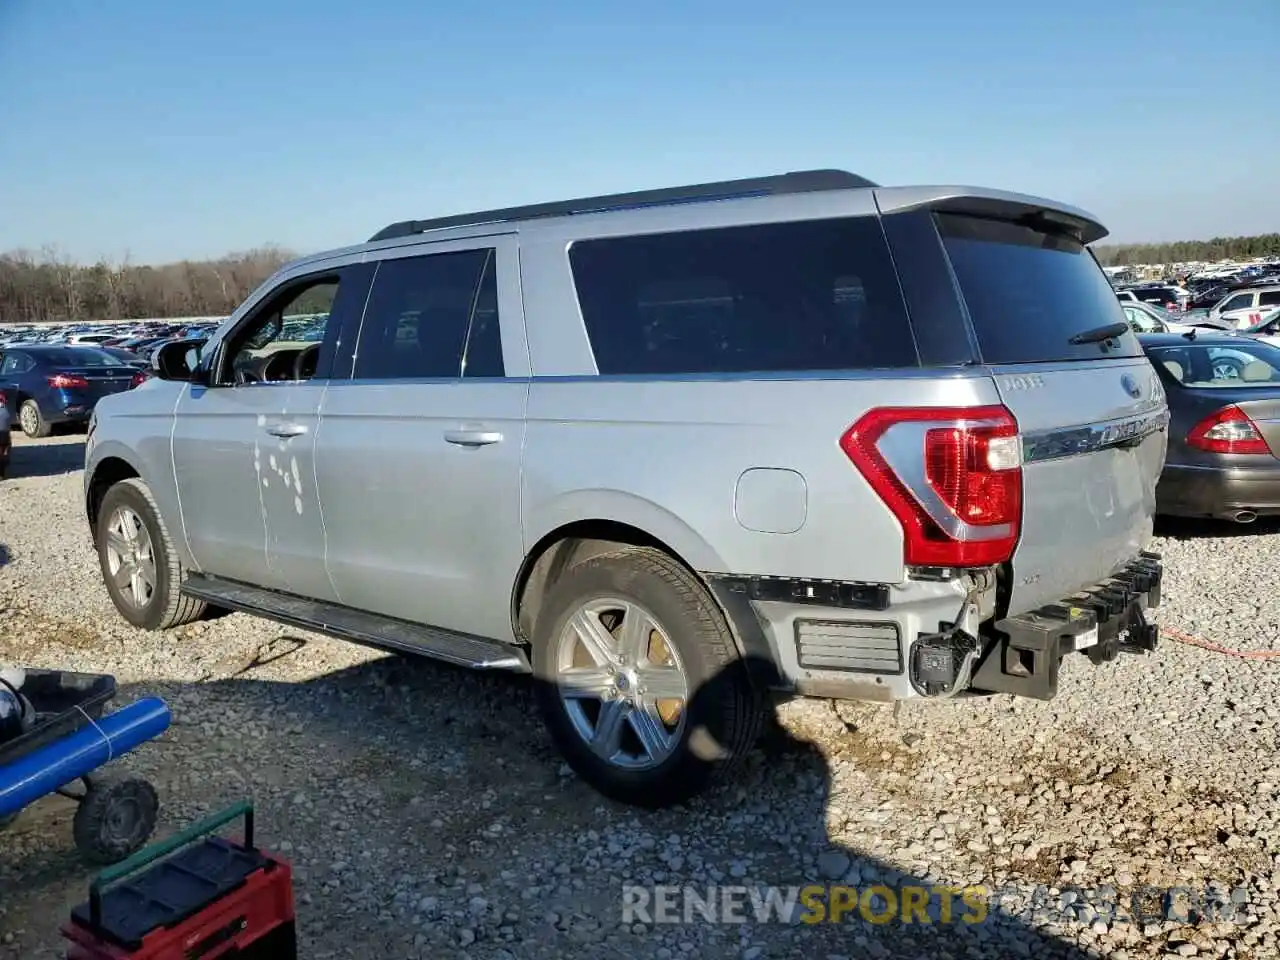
(426, 814)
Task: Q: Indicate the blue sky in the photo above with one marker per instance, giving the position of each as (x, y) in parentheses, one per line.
(172, 130)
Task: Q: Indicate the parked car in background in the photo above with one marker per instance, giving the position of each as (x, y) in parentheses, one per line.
(1170, 297)
(1149, 318)
(1245, 308)
(45, 386)
(1268, 329)
(6, 438)
(1224, 432)
(859, 480)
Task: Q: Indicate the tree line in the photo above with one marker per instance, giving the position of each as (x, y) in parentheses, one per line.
(1190, 251)
(48, 286)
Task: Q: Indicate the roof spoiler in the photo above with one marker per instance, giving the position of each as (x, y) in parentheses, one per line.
(1036, 212)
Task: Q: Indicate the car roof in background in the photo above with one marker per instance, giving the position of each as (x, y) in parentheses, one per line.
(1202, 338)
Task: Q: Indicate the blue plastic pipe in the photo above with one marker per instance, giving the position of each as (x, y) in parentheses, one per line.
(39, 774)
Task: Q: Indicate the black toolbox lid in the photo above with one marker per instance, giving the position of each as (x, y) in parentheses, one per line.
(172, 890)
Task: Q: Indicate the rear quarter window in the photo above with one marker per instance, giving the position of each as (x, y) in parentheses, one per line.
(1028, 292)
(800, 296)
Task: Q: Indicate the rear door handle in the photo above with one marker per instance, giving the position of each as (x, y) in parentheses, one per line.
(286, 430)
(473, 438)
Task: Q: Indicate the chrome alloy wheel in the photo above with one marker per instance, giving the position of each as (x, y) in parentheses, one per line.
(131, 558)
(622, 684)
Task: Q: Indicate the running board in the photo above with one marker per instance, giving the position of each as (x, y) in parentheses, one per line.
(478, 653)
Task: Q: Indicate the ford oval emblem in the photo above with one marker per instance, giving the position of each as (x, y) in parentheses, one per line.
(1131, 385)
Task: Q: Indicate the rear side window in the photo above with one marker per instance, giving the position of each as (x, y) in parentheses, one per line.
(432, 317)
(1269, 299)
(810, 295)
(1029, 292)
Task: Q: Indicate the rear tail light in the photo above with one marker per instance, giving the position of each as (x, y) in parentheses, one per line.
(67, 381)
(139, 379)
(952, 477)
(1228, 430)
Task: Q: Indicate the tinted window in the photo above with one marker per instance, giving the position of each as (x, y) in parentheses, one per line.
(813, 295)
(1269, 299)
(77, 357)
(419, 314)
(1240, 301)
(1029, 292)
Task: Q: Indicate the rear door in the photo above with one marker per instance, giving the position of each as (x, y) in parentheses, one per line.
(1092, 414)
(418, 454)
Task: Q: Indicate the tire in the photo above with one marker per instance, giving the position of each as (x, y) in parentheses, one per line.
(115, 819)
(720, 717)
(32, 421)
(7, 821)
(162, 605)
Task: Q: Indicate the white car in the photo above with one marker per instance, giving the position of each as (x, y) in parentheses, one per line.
(1268, 329)
(1149, 318)
(1245, 308)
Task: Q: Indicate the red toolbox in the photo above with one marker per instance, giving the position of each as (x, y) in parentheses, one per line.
(211, 898)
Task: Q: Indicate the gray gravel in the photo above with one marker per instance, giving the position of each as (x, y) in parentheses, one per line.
(426, 814)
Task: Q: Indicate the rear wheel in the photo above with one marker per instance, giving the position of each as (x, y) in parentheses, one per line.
(639, 681)
(32, 420)
(139, 564)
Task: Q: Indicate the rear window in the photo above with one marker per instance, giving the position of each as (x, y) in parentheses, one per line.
(1201, 365)
(809, 295)
(1029, 292)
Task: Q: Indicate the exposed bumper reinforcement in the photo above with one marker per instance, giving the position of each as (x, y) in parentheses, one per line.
(1022, 654)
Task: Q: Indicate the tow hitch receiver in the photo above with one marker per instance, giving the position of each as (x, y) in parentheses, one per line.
(1022, 654)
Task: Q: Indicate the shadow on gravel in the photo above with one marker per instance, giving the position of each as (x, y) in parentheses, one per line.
(5, 555)
(45, 459)
(403, 781)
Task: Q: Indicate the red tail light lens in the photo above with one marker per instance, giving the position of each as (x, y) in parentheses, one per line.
(139, 379)
(1229, 430)
(68, 381)
(952, 477)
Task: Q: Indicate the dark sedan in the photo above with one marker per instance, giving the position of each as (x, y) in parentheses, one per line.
(1224, 433)
(48, 385)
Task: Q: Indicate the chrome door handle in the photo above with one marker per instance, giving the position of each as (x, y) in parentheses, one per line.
(472, 438)
(286, 430)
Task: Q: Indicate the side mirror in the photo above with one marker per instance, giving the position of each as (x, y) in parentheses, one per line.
(179, 360)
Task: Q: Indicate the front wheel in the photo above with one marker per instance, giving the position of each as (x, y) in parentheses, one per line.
(115, 819)
(139, 564)
(639, 680)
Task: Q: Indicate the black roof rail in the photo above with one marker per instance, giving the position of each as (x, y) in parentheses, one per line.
(804, 181)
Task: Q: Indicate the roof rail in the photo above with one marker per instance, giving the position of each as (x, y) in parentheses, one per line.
(805, 181)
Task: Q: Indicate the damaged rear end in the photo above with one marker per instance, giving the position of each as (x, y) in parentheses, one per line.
(1053, 524)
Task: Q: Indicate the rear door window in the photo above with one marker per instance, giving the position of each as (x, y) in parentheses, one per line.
(808, 295)
(1029, 292)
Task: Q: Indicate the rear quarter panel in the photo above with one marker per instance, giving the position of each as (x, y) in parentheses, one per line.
(666, 455)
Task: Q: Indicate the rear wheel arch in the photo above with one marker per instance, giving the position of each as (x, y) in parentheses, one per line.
(567, 545)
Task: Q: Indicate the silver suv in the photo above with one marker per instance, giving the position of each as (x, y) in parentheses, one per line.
(671, 452)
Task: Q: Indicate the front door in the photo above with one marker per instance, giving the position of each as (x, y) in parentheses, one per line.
(418, 457)
(242, 445)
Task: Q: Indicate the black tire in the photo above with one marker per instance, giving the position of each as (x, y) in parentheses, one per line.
(6, 822)
(724, 711)
(32, 421)
(115, 819)
(167, 606)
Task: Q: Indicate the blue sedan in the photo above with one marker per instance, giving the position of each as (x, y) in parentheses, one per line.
(44, 386)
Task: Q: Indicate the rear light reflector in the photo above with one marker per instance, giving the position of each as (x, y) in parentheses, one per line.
(952, 476)
(1228, 430)
(67, 381)
(139, 379)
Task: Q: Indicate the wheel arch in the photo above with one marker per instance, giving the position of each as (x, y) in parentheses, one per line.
(107, 472)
